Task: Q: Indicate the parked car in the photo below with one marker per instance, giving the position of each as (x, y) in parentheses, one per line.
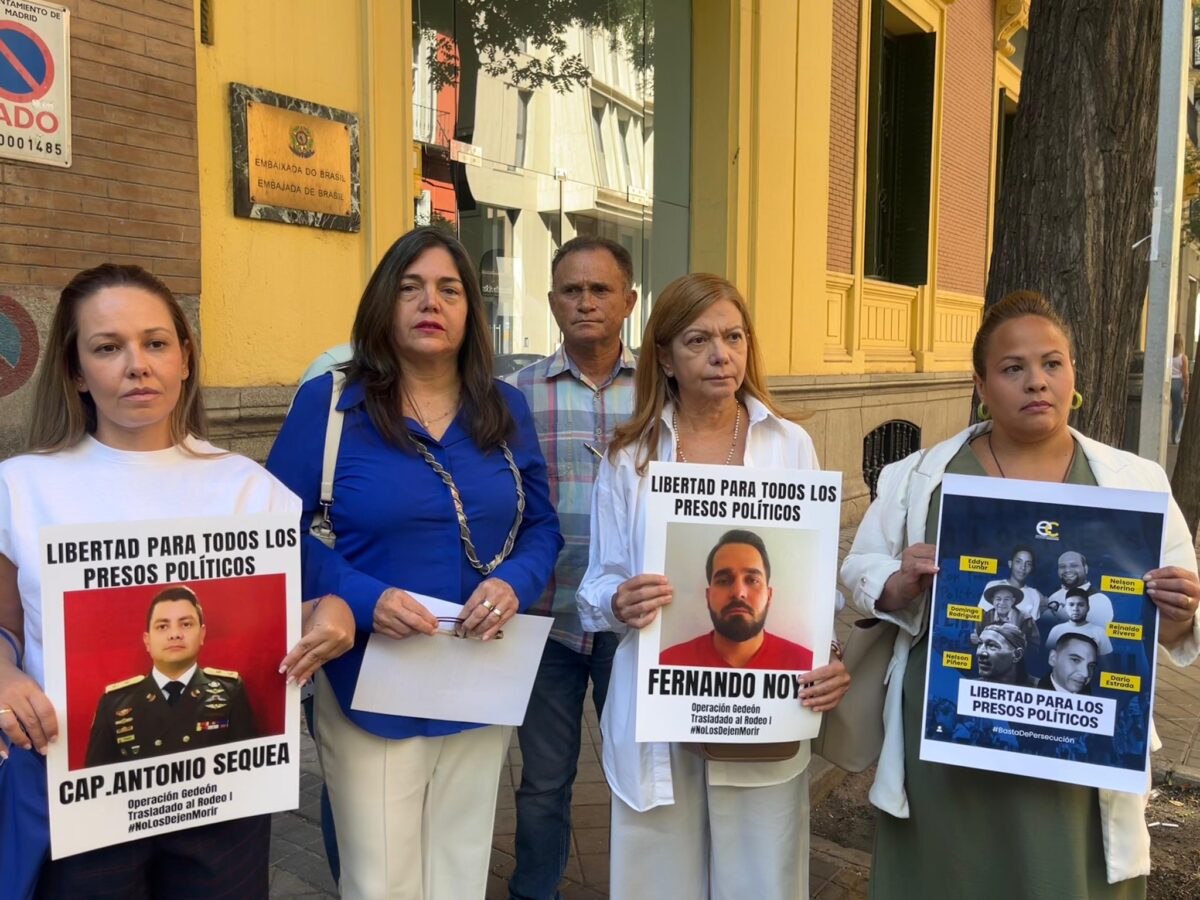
(513, 362)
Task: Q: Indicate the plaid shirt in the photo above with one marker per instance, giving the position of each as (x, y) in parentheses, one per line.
(570, 415)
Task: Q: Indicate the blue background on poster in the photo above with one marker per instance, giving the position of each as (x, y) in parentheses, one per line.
(1117, 543)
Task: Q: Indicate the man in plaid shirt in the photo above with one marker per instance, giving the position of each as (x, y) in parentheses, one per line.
(578, 395)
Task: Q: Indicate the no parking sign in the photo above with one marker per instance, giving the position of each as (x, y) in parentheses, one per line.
(35, 82)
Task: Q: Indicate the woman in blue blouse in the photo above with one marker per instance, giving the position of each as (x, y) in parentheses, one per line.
(439, 489)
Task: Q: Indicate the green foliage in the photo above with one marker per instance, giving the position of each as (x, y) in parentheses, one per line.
(501, 32)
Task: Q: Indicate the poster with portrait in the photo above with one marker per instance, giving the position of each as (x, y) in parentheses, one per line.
(1042, 640)
(163, 641)
(751, 555)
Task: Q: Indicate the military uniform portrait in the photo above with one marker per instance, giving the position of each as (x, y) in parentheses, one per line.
(179, 704)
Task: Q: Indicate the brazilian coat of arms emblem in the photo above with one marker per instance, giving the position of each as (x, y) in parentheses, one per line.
(301, 142)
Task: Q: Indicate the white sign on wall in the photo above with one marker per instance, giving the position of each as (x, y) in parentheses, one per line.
(35, 82)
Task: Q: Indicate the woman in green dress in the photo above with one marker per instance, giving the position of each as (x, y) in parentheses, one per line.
(991, 834)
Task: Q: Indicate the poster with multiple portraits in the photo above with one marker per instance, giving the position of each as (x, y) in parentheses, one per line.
(1042, 639)
(751, 555)
(162, 649)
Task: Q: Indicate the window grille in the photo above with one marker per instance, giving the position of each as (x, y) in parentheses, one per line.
(890, 442)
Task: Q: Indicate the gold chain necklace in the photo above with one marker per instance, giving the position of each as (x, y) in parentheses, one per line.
(427, 421)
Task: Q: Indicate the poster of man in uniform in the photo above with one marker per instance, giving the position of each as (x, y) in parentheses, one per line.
(1042, 640)
(163, 642)
(752, 557)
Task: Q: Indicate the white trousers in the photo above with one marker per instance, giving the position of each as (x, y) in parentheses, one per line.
(721, 843)
(414, 817)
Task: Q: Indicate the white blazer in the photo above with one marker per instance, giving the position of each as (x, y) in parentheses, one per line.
(897, 519)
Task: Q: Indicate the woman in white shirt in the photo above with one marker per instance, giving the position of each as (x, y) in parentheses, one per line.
(1179, 387)
(682, 826)
(117, 434)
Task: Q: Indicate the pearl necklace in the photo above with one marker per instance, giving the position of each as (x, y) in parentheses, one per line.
(737, 427)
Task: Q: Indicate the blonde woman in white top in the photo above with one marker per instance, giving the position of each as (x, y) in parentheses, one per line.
(684, 827)
(118, 434)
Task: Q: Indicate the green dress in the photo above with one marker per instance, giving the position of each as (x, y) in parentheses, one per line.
(982, 835)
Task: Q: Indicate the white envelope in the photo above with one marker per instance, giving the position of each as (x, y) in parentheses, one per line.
(441, 677)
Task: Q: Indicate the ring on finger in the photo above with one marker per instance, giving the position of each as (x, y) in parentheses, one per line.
(6, 709)
(489, 605)
(497, 613)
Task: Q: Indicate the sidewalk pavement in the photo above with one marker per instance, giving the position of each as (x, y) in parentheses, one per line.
(299, 870)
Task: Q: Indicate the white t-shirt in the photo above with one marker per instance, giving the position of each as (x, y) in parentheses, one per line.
(92, 482)
(1177, 366)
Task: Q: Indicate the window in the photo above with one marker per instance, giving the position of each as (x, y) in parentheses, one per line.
(523, 99)
(623, 127)
(890, 442)
(899, 148)
(546, 119)
(1006, 114)
(598, 139)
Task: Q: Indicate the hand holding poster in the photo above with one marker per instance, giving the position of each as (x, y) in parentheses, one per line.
(437, 676)
(1048, 672)
(162, 643)
(752, 557)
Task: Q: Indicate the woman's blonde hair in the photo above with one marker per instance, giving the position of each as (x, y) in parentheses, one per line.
(681, 303)
(1177, 348)
(62, 415)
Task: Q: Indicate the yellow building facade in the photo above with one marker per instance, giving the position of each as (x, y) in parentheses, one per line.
(838, 160)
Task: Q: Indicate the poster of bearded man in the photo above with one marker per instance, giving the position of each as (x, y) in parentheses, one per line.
(751, 555)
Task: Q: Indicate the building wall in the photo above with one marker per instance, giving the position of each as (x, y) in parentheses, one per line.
(967, 133)
(849, 352)
(842, 121)
(130, 194)
(276, 295)
(778, 162)
(782, 166)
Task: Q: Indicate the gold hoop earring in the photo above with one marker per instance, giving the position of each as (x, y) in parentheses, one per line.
(1076, 400)
(983, 412)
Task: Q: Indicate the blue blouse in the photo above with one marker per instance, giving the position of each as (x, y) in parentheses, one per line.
(396, 526)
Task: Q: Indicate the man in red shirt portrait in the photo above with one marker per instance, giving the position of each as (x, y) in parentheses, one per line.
(738, 572)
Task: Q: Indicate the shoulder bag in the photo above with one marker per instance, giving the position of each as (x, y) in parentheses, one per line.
(321, 526)
(852, 732)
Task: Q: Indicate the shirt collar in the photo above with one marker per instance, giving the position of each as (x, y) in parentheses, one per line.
(162, 680)
(756, 408)
(559, 362)
(353, 393)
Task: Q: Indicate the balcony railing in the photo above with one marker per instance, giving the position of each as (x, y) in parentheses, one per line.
(431, 126)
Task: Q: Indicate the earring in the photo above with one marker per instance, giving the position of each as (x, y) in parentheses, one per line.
(1076, 400)
(983, 412)
(668, 372)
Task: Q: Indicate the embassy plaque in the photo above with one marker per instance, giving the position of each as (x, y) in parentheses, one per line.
(293, 161)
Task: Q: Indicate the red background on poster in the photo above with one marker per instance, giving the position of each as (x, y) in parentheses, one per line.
(245, 620)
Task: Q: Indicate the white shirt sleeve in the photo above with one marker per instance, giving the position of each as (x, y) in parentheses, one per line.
(7, 545)
(610, 560)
